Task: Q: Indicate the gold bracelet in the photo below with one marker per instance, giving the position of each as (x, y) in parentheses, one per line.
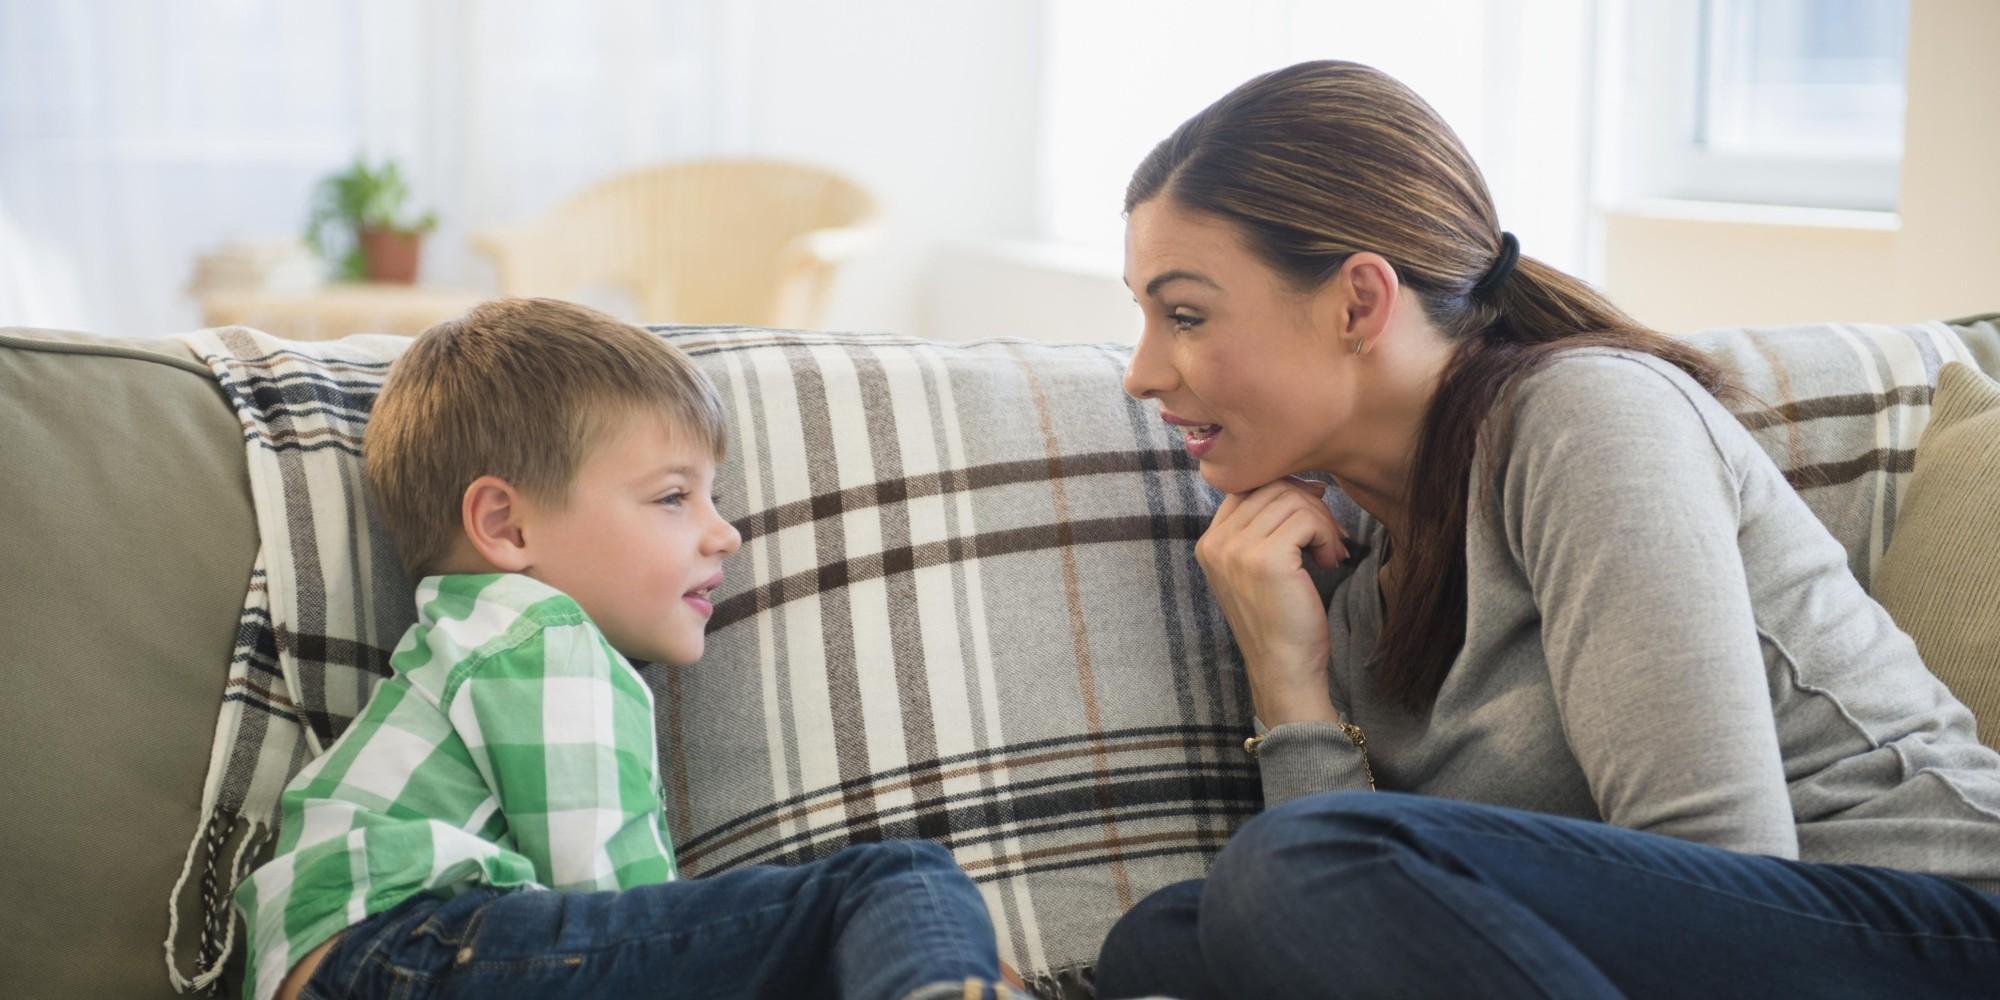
(1360, 739)
(1254, 746)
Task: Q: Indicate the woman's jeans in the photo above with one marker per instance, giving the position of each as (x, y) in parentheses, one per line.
(1373, 894)
(887, 920)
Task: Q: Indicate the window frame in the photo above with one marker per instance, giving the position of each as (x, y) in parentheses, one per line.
(1665, 83)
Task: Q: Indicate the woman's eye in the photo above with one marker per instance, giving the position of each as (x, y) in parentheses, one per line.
(1184, 321)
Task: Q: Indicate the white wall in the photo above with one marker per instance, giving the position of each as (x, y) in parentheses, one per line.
(1028, 289)
(1948, 249)
(1510, 76)
(1684, 267)
(931, 105)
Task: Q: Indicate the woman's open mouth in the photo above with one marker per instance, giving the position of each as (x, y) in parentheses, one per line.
(1199, 438)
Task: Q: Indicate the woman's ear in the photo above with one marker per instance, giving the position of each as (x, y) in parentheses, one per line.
(492, 512)
(1368, 287)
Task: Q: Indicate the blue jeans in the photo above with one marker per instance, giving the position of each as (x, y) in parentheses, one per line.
(889, 920)
(1374, 894)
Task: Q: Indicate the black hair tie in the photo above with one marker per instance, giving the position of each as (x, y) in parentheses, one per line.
(1510, 251)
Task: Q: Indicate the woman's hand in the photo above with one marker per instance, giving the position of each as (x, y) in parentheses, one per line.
(1253, 554)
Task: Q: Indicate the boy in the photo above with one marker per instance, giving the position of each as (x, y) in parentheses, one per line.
(546, 471)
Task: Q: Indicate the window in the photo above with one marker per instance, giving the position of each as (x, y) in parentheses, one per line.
(1779, 102)
(1819, 77)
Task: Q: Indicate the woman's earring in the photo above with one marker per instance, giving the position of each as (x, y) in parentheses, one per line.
(1359, 343)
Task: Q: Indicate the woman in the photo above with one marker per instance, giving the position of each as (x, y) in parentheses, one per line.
(1661, 741)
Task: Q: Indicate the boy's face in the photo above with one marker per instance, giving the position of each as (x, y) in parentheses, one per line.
(639, 544)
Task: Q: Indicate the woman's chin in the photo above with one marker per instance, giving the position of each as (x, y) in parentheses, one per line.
(1229, 480)
(1236, 479)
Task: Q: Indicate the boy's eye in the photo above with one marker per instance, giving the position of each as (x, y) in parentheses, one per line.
(674, 499)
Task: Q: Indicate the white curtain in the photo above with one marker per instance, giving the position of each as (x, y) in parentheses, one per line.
(137, 134)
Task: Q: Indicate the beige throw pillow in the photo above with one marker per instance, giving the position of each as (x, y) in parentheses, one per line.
(1940, 578)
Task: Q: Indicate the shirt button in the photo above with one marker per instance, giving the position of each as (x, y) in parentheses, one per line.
(464, 955)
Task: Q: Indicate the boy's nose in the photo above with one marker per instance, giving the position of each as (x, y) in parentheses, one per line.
(724, 538)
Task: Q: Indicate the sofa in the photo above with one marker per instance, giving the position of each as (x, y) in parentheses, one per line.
(966, 609)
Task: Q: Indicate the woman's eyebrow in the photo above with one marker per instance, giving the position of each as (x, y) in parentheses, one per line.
(1168, 277)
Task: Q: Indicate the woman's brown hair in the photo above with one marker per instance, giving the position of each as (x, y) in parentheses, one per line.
(1318, 161)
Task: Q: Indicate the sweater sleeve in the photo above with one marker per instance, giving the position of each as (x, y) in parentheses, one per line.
(1306, 758)
(1623, 512)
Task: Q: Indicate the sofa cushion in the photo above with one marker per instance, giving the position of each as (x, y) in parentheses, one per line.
(1941, 579)
(1982, 337)
(966, 610)
(126, 534)
(1840, 407)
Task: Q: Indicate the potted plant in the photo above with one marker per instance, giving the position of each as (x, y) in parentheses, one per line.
(359, 219)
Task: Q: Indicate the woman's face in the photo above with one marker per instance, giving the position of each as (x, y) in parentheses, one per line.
(1253, 372)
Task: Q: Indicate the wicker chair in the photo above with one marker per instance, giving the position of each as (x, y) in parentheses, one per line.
(754, 242)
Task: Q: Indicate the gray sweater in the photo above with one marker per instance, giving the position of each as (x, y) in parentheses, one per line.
(1661, 635)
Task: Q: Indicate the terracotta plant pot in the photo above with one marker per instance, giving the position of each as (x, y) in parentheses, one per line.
(392, 254)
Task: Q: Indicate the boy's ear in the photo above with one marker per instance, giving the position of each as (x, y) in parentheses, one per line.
(492, 512)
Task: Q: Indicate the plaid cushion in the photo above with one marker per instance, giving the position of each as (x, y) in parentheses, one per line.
(966, 610)
(1840, 407)
(1982, 336)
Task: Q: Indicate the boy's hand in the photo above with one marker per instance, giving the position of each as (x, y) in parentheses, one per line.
(1011, 977)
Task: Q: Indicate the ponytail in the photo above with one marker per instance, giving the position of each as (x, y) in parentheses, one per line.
(1541, 312)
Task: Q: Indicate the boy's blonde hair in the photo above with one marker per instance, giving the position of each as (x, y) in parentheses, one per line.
(520, 389)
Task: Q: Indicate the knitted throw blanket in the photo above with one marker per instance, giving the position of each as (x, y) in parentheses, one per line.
(313, 640)
(1839, 407)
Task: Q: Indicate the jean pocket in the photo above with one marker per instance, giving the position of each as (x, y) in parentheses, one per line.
(456, 920)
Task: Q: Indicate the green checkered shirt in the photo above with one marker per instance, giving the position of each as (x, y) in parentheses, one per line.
(513, 747)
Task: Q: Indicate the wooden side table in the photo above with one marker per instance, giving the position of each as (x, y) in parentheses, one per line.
(338, 310)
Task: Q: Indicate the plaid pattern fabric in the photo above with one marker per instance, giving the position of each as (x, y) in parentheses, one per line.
(326, 601)
(513, 747)
(1840, 407)
(966, 608)
(1981, 335)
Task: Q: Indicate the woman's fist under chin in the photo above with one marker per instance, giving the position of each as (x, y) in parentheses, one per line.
(1254, 555)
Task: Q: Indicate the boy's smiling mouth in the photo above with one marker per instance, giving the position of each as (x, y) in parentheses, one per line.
(702, 596)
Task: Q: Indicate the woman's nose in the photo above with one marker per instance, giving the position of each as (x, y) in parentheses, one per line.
(1147, 375)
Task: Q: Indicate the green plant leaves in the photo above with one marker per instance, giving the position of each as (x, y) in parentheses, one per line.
(360, 197)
